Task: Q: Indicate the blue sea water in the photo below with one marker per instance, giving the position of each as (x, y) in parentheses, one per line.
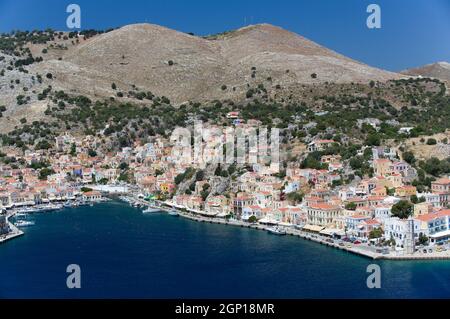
(126, 254)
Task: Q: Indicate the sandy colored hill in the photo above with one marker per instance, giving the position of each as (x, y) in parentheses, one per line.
(184, 67)
(439, 70)
(177, 65)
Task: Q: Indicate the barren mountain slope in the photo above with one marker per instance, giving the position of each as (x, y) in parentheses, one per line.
(184, 67)
(439, 70)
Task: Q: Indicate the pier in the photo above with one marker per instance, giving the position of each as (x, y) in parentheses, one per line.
(14, 231)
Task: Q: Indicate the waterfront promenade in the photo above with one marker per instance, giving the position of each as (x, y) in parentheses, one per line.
(361, 249)
(371, 252)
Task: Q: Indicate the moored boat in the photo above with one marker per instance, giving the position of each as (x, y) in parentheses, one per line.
(26, 210)
(151, 210)
(276, 230)
(173, 212)
(23, 223)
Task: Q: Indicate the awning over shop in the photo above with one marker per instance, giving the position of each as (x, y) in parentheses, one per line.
(440, 234)
(176, 206)
(268, 221)
(207, 213)
(331, 232)
(313, 228)
(285, 224)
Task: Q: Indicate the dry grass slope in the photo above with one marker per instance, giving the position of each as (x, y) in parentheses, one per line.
(140, 54)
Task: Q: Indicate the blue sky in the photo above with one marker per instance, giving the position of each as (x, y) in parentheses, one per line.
(413, 33)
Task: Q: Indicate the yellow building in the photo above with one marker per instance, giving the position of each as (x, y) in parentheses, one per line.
(379, 191)
(395, 181)
(422, 209)
(381, 167)
(166, 187)
(406, 191)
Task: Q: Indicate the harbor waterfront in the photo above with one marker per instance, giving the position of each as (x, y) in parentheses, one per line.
(124, 253)
(359, 249)
(237, 159)
(123, 194)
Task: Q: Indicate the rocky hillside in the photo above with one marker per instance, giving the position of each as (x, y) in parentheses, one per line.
(184, 67)
(166, 63)
(439, 70)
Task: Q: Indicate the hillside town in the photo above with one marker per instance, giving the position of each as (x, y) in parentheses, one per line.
(383, 211)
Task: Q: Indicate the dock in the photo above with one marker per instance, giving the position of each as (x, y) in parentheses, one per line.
(15, 232)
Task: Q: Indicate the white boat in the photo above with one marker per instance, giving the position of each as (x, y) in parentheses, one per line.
(50, 208)
(20, 215)
(276, 230)
(27, 210)
(24, 223)
(151, 210)
(173, 212)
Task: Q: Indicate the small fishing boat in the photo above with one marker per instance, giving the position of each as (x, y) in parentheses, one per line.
(173, 212)
(276, 231)
(27, 210)
(151, 210)
(136, 204)
(67, 205)
(24, 223)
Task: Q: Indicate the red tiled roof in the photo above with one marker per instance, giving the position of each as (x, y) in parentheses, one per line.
(323, 206)
(443, 180)
(431, 216)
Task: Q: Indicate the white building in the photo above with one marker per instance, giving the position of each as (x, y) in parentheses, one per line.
(405, 130)
(430, 198)
(382, 212)
(397, 228)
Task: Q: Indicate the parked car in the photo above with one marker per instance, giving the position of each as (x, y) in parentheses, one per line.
(357, 242)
